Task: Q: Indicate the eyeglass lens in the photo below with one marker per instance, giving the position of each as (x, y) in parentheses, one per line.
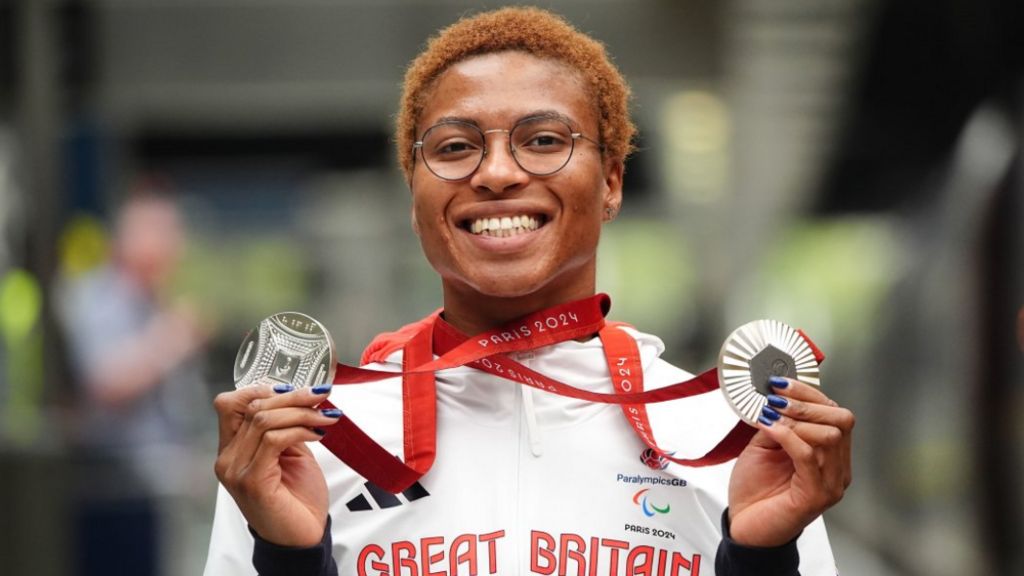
(454, 150)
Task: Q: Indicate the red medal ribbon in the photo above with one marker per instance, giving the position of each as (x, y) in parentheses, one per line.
(623, 357)
(487, 352)
(419, 411)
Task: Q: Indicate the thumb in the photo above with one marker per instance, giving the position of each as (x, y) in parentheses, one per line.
(762, 440)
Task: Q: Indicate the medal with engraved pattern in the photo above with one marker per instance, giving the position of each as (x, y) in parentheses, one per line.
(755, 352)
(289, 348)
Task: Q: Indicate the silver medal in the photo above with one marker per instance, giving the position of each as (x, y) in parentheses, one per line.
(755, 352)
(289, 348)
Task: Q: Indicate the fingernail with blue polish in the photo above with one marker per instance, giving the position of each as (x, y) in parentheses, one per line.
(321, 389)
(331, 412)
(770, 413)
(777, 401)
(778, 381)
(765, 421)
(282, 388)
(320, 431)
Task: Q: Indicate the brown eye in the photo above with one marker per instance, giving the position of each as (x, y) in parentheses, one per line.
(539, 142)
(542, 136)
(455, 148)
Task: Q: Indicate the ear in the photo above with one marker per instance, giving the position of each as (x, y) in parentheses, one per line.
(612, 200)
(412, 201)
(412, 220)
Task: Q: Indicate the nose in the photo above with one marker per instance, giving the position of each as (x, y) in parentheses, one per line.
(499, 172)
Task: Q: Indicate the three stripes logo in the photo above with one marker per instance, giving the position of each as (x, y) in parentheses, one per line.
(384, 499)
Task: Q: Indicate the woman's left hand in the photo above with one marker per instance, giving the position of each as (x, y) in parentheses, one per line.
(796, 466)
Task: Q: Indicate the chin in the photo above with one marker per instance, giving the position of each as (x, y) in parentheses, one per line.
(517, 279)
(509, 285)
(508, 289)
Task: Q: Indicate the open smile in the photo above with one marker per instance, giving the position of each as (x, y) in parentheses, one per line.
(505, 226)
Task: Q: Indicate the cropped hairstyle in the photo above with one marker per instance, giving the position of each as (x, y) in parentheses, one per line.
(533, 31)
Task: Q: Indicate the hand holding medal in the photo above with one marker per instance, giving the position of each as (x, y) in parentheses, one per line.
(280, 372)
(799, 464)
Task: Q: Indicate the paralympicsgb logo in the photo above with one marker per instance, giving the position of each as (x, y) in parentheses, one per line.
(653, 460)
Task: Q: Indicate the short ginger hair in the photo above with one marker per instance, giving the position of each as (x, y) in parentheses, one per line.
(524, 29)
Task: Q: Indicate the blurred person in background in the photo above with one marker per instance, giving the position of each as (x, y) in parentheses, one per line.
(513, 134)
(137, 360)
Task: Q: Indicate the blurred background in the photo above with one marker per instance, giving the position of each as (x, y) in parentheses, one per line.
(173, 171)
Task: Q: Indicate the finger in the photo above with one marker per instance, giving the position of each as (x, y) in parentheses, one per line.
(800, 452)
(815, 434)
(829, 414)
(277, 441)
(828, 428)
(818, 472)
(286, 395)
(261, 398)
(805, 411)
(259, 424)
(831, 446)
(833, 456)
(237, 456)
(793, 388)
(247, 476)
(231, 408)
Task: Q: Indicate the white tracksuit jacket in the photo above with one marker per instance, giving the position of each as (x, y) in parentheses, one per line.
(527, 482)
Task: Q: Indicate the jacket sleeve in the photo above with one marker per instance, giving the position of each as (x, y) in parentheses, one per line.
(273, 560)
(735, 559)
(231, 544)
(235, 550)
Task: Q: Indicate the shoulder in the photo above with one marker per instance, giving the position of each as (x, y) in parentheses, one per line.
(386, 343)
(657, 371)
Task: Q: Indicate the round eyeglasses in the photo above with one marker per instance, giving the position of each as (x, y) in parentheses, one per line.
(542, 145)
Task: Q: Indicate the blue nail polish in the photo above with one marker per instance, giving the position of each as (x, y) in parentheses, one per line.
(321, 389)
(282, 388)
(777, 401)
(765, 421)
(320, 431)
(778, 381)
(331, 412)
(770, 413)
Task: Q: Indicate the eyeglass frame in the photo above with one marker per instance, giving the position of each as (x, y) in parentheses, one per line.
(574, 136)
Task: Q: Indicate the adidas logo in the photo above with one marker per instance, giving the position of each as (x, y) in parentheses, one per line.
(383, 498)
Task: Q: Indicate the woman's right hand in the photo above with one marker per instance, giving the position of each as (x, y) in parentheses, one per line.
(265, 465)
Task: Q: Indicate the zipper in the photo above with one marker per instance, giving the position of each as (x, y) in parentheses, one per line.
(531, 448)
(519, 547)
(532, 429)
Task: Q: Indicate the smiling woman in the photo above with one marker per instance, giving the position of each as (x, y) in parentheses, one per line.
(513, 134)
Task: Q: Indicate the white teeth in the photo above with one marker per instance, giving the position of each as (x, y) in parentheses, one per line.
(505, 226)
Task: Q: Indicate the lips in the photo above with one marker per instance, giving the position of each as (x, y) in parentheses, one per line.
(504, 226)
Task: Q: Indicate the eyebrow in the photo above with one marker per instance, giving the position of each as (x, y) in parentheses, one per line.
(544, 114)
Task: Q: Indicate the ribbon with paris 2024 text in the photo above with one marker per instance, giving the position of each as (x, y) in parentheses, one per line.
(488, 352)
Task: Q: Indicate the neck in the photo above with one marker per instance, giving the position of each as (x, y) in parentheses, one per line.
(472, 312)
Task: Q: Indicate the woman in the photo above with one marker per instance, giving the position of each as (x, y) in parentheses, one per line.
(513, 133)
